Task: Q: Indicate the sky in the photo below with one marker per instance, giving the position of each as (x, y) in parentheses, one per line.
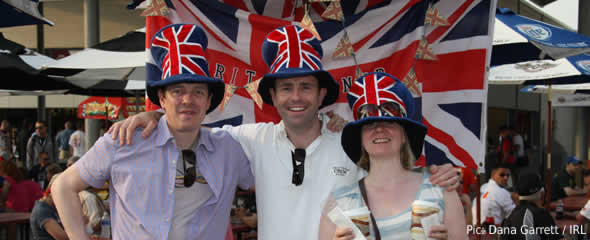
(565, 11)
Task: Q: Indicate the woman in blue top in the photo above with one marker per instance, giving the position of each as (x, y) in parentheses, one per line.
(385, 141)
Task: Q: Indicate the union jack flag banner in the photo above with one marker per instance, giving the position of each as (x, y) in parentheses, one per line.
(440, 49)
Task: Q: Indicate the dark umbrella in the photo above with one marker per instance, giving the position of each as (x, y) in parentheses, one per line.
(19, 67)
(21, 13)
(106, 69)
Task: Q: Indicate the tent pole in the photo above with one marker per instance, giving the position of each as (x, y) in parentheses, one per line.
(478, 204)
(41, 105)
(136, 102)
(548, 173)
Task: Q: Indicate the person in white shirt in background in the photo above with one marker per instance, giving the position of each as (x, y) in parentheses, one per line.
(78, 140)
(583, 216)
(92, 206)
(297, 162)
(496, 201)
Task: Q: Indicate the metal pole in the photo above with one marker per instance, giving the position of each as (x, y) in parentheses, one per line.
(41, 109)
(478, 204)
(548, 175)
(136, 102)
(91, 38)
(584, 17)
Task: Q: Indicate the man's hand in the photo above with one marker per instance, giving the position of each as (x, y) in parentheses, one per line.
(445, 176)
(336, 123)
(240, 212)
(124, 129)
(438, 232)
(514, 197)
(343, 234)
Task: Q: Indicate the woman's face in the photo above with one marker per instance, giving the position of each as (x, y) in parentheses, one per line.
(382, 139)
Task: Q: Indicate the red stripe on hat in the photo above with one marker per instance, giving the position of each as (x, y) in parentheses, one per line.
(174, 56)
(385, 82)
(194, 49)
(293, 45)
(371, 96)
(160, 43)
(184, 32)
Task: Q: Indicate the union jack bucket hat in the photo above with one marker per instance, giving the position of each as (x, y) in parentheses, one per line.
(179, 53)
(292, 51)
(378, 97)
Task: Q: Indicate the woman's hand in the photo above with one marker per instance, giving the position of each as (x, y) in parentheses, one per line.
(343, 234)
(438, 232)
(445, 176)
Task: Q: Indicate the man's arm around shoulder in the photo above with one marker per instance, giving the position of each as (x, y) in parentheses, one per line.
(65, 195)
(94, 169)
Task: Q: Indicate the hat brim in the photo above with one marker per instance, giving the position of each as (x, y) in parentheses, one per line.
(216, 87)
(325, 80)
(351, 135)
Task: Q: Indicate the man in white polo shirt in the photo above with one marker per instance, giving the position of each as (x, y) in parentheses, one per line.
(297, 162)
(584, 215)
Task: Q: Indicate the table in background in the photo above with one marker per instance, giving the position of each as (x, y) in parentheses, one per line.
(571, 225)
(573, 203)
(21, 219)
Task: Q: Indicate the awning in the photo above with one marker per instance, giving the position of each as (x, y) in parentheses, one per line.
(100, 107)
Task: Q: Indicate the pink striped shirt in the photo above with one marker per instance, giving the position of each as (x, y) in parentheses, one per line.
(142, 179)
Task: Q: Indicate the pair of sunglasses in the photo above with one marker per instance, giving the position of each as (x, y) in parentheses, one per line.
(298, 158)
(390, 109)
(191, 174)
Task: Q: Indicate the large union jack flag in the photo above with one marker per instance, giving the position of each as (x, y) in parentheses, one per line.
(443, 61)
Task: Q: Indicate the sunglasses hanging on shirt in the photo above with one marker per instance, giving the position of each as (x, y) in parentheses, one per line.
(191, 174)
(298, 158)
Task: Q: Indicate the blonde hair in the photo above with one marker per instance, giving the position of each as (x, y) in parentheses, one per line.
(407, 157)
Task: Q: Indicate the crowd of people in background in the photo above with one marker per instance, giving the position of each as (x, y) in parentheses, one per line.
(30, 161)
(369, 164)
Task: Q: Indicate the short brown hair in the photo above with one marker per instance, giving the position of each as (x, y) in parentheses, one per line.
(11, 170)
(407, 158)
(53, 168)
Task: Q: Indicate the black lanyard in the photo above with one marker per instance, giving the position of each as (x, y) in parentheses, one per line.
(364, 193)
